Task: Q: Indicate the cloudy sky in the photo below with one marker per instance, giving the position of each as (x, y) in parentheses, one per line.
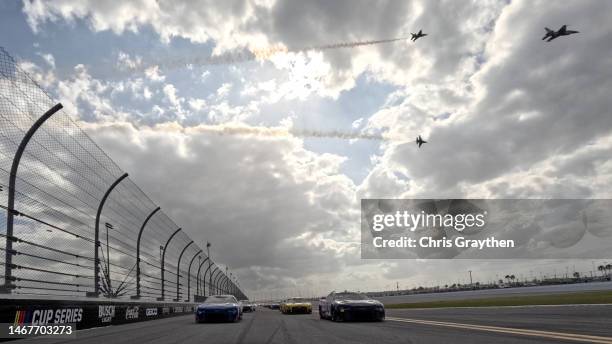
(506, 115)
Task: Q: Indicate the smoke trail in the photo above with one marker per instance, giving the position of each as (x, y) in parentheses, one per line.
(271, 51)
(351, 44)
(338, 135)
(257, 54)
(284, 132)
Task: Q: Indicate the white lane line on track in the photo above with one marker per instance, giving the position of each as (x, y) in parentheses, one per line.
(510, 330)
(502, 307)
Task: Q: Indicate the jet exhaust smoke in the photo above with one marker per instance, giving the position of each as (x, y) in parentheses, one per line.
(257, 54)
(285, 132)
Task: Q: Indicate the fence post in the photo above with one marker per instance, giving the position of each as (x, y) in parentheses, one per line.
(162, 264)
(137, 296)
(11, 212)
(198, 276)
(189, 276)
(217, 287)
(96, 293)
(204, 280)
(211, 287)
(178, 271)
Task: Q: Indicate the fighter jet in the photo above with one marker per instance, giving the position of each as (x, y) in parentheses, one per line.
(418, 35)
(552, 34)
(420, 141)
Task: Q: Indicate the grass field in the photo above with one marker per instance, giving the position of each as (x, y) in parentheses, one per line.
(549, 299)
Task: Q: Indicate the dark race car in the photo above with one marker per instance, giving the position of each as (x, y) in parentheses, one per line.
(349, 306)
(219, 308)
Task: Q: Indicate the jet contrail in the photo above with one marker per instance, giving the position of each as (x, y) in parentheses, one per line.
(285, 132)
(257, 54)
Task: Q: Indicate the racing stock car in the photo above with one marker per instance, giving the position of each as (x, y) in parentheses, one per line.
(296, 306)
(346, 306)
(247, 306)
(219, 308)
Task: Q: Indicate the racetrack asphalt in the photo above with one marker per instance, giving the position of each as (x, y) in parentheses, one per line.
(531, 324)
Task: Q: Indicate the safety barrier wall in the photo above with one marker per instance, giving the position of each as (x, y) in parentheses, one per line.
(87, 314)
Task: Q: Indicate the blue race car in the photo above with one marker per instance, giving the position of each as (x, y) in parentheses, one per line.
(219, 308)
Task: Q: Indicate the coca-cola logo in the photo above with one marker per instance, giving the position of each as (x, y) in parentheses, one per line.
(131, 313)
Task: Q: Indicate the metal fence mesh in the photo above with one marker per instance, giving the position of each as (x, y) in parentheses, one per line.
(61, 179)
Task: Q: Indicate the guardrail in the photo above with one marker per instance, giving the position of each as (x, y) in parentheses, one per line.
(75, 223)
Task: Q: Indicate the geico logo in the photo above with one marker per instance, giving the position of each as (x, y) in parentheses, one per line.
(131, 313)
(150, 312)
(58, 316)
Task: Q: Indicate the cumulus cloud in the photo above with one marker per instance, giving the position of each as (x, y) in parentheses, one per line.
(529, 105)
(505, 114)
(284, 208)
(461, 28)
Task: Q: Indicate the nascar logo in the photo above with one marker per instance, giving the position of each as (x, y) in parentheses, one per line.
(22, 317)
